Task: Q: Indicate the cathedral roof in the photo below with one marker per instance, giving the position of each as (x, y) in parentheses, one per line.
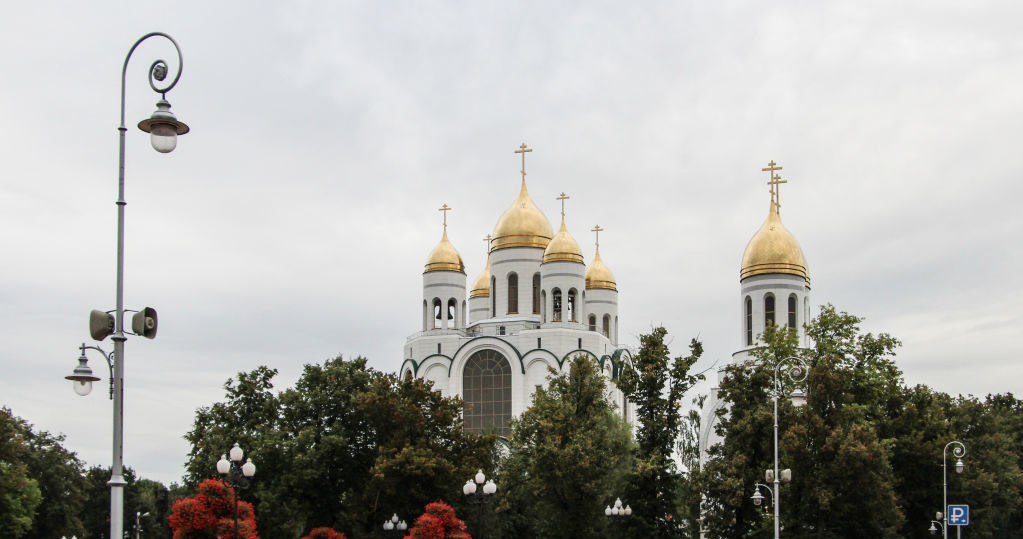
(481, 288)
(598, 276)
(773, 249)
(522, 225)
(563, 247)
(444, 257)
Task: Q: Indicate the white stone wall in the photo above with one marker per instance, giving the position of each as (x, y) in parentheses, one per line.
(523, 261)
(479, 309)
(600, 302)
(565, 276)
(781, 286)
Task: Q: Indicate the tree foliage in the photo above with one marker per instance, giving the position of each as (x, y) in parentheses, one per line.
(569, 454)
(346, 447)
(662, 500)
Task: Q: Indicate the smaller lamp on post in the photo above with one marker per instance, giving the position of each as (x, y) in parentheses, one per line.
(236, 475)
(395, 527)
(478, 489)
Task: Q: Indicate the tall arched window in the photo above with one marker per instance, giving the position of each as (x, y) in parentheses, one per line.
(792, 310)
(486, 383)
(556, 296)
(749, 321)
(768, 310)
(493, 297)
(607, 326)
(536, 293)
(593, 322)
(437, 311)
(572, 314)
(513, 293)
(452, 307)
(426, 316)
(543, 306)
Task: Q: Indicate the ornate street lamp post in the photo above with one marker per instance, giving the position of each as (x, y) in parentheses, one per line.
(617, 513)
(163, 128)
(395, 527)
(958, 451)
(796, 370)
(138, 523)
(479, 496)
(236, 474)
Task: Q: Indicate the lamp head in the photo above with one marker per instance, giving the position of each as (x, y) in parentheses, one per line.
(394, 518)
(480, 478)
(163, 128)
(798, 397)
(388, 525)
(469, 488)
(248, 469)
(607, 511)
(959, 466)
(402, 526)
(82, 377)
(490, 487)
(932, 529)
(628, 510)
(757, 497)
(236, 453)
(223, 465)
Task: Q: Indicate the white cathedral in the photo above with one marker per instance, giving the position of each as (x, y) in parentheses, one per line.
(536, 304)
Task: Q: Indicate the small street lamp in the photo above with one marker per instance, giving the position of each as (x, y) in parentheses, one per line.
(958, 451)
(163, 128)
(138, 523)
(394, 527)
(479, 496)
(236, 475)
(796, 370)
(617, 511)
(936, 526)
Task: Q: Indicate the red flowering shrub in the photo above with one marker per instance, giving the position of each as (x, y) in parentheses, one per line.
(210, 514)
(438, 522)
(325, 533)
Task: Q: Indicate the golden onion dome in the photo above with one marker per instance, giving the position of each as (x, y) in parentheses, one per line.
(773, 249)
(523, 225)
(598, 276)
(481, 288)
(563, 247)
(444, 257)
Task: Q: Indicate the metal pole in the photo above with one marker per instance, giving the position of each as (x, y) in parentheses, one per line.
(235, 489)
(481, 502)
(777, 528)
(944, 493)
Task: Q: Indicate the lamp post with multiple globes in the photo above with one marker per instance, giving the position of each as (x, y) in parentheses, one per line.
(236, 474)
(395, 527)
(478, 490)
(163, 128)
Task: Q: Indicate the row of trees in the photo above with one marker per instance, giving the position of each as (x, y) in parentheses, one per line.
(46, 491)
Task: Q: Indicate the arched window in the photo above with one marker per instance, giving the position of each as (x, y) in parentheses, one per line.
(543, 306)
(607, 326)
(593, 322)
(556, 296)
(769, 310)
(513, 293)
(616, 329)
(452, 307)
(426, 315)
(749, 321)
(536, 293)
(493, 297)
(572, 314)
(792, 310)
(437, 312)
(486, 384)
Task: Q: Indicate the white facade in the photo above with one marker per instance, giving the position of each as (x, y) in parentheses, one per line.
(494, 350)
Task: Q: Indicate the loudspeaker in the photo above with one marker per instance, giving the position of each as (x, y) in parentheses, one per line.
(101, 324)
(144, 323)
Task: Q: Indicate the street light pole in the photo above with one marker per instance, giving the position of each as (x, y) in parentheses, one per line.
(138, 523)
(958, 451)
(796, 370)
(164, 129)
(237, 475)
(480, 498)
(395, 527)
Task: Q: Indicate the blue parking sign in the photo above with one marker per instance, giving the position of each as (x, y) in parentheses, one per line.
(959, 515)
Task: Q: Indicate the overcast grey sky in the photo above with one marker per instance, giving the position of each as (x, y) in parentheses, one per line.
(292, 223)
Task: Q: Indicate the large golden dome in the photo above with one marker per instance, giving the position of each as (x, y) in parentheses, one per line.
(523, 225)
(773, 249)
(563, 247)
(598, 276)
(481, 288)
(444, 257)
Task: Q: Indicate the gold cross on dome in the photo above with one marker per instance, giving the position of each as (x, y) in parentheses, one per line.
(563, 198)
(488, 239)
(775, 184)
(523, 150)
(771, 168)
(445, 208)
(596, 229)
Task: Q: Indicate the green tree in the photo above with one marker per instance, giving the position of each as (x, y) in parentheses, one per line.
(570, 452)
(344, 448)
(663, 503)
(19, 493)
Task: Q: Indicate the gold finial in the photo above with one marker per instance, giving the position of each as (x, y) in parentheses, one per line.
(563, 198)
(597, 230)
(523, 150)
(445, 208)
(488, 239)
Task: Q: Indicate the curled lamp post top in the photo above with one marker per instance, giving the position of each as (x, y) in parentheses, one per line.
(958, 449)
(157, 70)
(793, 368)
